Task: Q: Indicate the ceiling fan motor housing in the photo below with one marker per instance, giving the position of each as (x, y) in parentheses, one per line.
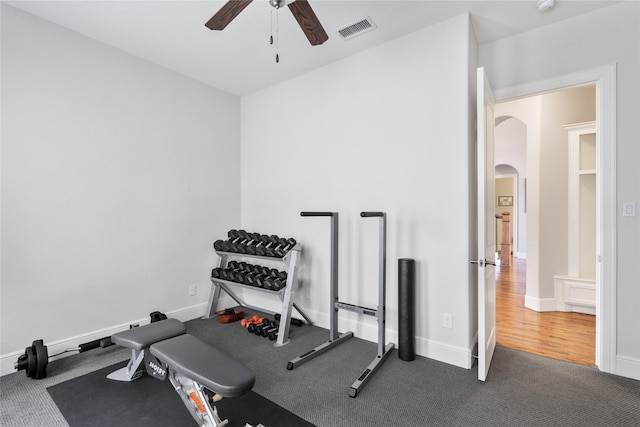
(278, 3)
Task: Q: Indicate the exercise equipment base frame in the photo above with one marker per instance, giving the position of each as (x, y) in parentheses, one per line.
(369, 371)
(294, 363)
(134, 368)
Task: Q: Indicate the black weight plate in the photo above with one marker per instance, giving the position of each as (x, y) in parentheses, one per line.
(31, 362)
(42, 359)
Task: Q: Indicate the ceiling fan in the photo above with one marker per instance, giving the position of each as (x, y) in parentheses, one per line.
(300, 9)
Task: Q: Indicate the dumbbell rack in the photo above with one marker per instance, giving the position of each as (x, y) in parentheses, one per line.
(290, 261)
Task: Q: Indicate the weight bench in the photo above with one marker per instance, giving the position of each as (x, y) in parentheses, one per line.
(139, 340)
(192, 366)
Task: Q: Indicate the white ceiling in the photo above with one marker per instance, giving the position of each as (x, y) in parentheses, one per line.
(239, 59)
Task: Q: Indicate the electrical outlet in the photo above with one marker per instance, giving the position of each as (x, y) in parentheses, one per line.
(192, 290)
(447, 320)
(629, 209)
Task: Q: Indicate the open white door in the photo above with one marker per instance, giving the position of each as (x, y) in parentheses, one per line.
(486, 228)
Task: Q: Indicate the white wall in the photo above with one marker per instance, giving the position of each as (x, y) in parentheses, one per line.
(557, 110)
(380, 130)
(527, 110)
(511, 149)
(609, 35)
(116, 177)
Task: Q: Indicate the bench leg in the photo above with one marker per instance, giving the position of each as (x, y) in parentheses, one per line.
(196, 401)
(132, 371)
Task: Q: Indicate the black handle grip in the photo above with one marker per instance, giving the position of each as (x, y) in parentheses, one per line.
(368, 214)
(102, 342)
(89, 345)
(316, 213)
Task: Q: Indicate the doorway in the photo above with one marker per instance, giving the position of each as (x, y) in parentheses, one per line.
(525, 286)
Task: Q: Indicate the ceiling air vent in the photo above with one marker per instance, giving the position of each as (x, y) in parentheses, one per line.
(361, 26)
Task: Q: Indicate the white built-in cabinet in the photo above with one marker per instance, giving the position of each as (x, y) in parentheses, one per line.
(576, 291)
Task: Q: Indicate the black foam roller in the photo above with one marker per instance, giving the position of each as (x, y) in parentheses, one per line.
(406, 309)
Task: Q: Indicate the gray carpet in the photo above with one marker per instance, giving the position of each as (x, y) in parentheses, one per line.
(522, 389)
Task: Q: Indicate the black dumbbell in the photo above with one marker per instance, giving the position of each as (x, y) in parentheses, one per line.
(278, 280)
(268, 283)
(228, 273)
(215, 273)
(256, 273)
(236, 266)
(285, 246)
(265, 273)
(233, 237)
(249, 241)
(282, 275)
(254, 327)
(267, 249)
(226, 245)
(277, 248)
(240, 237)
(266, 324)
(235, 271)
(249, 278)
(259, 280)
(237, 276)
(275, 284)
(272, 324)
(259, 241)
(220, 246)
(271, 277)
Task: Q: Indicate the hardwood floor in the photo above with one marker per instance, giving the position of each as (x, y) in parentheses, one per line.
(556, 334)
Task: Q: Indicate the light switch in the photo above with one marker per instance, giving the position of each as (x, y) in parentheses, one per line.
(628, 209)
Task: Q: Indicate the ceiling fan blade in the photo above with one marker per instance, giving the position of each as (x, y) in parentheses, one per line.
(226, 14)
(308, 21)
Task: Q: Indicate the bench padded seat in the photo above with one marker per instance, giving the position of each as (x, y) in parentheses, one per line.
(204, 364)
(142, 337)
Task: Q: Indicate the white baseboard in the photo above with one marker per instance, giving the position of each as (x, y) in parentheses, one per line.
(442, 352)
(540, 304)
(628, 367)
(575, 294)
(8, 360)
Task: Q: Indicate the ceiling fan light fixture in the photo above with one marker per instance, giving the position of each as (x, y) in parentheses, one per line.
(356, 28)
(277, 3)
(544, 5)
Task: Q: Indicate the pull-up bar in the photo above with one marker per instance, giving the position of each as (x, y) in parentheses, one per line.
(334, 337)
